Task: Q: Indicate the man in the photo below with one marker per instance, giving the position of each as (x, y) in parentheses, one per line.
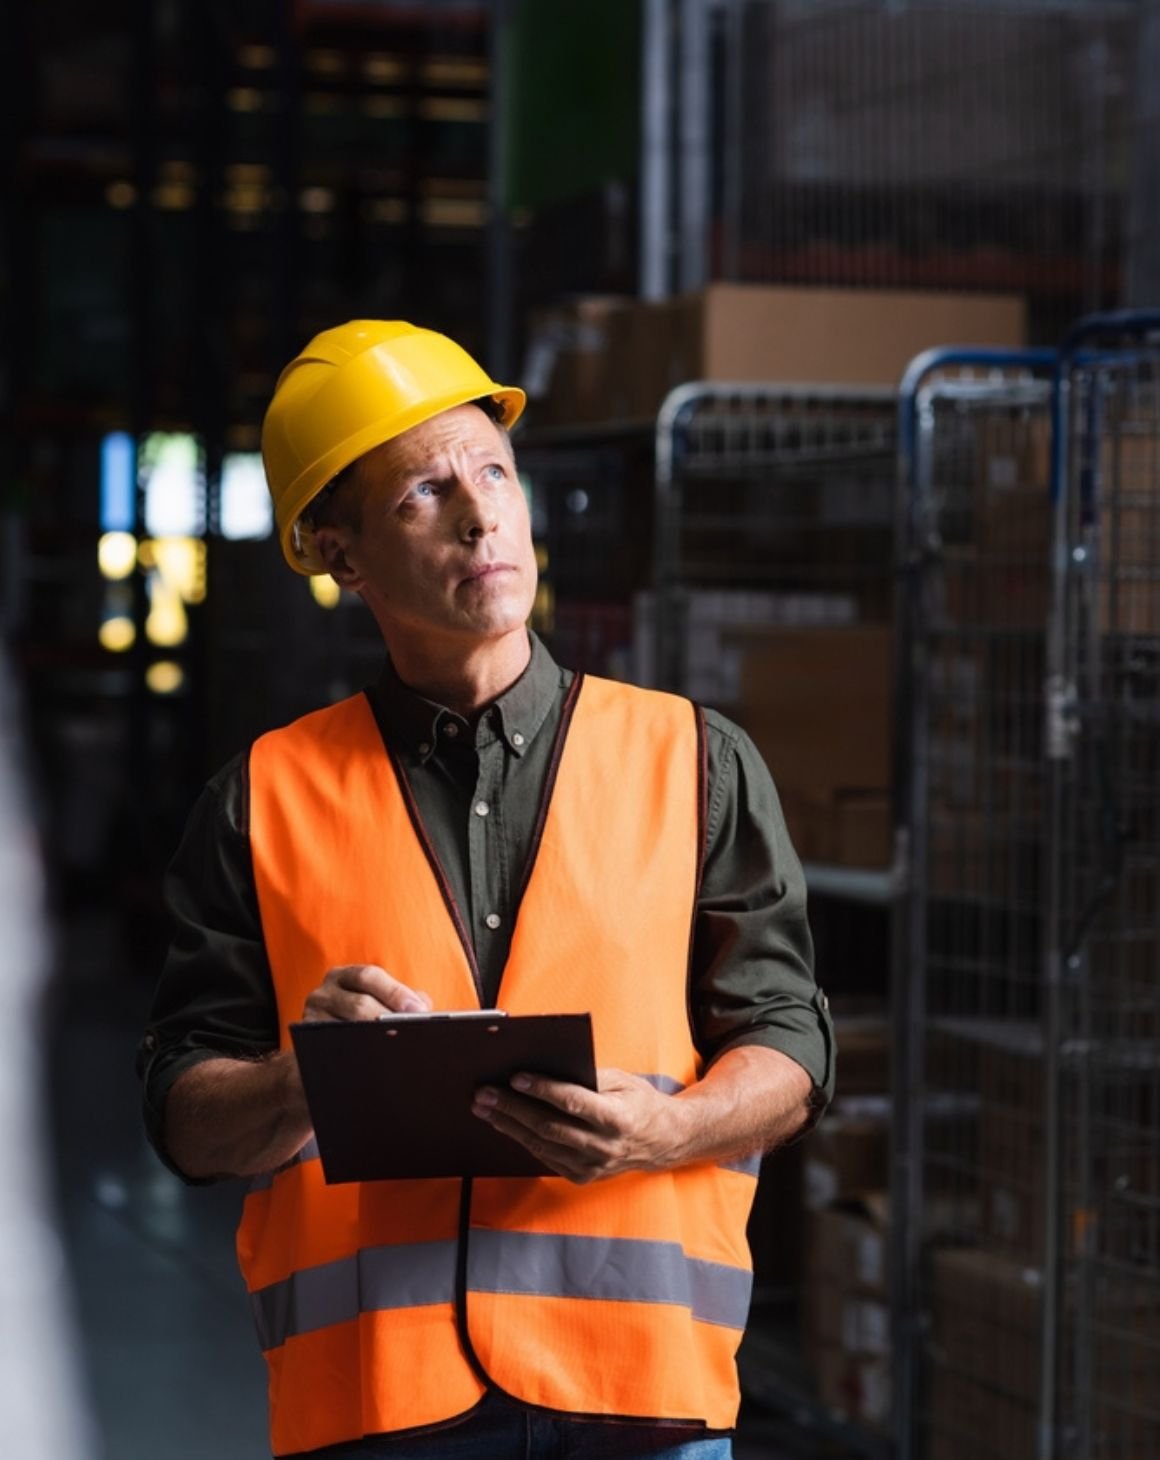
(482, 829)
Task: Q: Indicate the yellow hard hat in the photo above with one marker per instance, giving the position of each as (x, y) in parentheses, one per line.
(352, 388)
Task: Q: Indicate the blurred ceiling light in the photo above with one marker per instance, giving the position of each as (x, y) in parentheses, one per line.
(325, 591)
(246, 509)
(167, 624)
(177, 169)
(316, 200)
(247, 172)
(324, 63)
(120, 194)
(455, 73)
(387, 210)
(117, 554)
(247, 198)
(244, 99)
(118, 512)
(164, 677)
(174, 197)
(382, 107)
(257, 58)
(380, 67)
(453, 109)
(181, 563)
(454, 213)
(117, 634)
(146, 557)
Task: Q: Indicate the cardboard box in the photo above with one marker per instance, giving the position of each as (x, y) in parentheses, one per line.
(986, 1319)
(848, 1155)
(863, 1042)
(846, 1311)
(848, 829)
(986, 1340)
(817, 702)
(615, 358)
(969, 1422)
(854, 1387)
(832, 336)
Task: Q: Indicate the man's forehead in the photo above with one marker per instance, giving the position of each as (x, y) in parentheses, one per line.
(462, 429)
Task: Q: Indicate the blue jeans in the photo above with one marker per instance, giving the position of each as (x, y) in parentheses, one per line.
(497, 1430)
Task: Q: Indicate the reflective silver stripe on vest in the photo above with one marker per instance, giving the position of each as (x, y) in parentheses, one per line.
(526, 1264)
(309, 1152)
(412, 1275)
(747, 1165)
(617, 1269)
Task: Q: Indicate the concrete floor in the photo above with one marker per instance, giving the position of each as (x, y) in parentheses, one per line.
(173, 1372)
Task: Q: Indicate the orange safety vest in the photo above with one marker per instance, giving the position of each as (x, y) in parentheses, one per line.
(394, 1305)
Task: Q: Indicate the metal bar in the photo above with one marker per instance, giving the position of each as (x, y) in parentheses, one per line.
(918, 540)
(731, 151)
(854, 884)
(500, 297)
(656, 150)
(693, 172)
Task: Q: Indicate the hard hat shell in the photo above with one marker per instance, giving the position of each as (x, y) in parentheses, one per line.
(352, 388)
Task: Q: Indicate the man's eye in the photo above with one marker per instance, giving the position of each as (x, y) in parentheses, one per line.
(422, 489)
(497, 473)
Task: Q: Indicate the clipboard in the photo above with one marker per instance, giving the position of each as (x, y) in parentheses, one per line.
(391, 1098)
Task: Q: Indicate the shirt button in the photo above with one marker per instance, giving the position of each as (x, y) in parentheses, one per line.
(492, 920)
(424, 748)
(450, 729)
(517, 739)
(481, 808)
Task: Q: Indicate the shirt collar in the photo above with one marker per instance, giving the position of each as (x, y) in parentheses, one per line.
(414, 724)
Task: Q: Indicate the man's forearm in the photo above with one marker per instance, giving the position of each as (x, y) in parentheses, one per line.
(751, 1099)
(228, 1117)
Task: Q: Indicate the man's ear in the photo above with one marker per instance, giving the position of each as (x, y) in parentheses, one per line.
(332, 544)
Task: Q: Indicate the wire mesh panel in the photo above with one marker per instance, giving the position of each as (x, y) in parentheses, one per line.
(774, 506)
(843, 154)
(1106, 664)
(972, 1180)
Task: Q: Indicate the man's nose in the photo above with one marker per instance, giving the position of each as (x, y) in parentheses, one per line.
(478, 514)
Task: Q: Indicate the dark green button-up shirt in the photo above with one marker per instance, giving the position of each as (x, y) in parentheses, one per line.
(477, 786)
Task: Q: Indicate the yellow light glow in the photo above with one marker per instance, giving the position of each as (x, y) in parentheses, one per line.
(316, 200)
(117, 634)
(244, 99)
(120, 194)
(325, 591)
(173, 196)
(181, 563)
(167, 625)
(164, 677)
(117, 554)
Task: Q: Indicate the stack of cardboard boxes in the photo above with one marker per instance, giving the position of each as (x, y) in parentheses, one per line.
(602, 359)
(845, 1293)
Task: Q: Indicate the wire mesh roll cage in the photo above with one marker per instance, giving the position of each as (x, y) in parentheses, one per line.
(1089, 1070)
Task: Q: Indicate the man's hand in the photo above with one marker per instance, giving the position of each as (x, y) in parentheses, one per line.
(749, 1100)
(362, 991)
(232, 1117)
(625, 1125)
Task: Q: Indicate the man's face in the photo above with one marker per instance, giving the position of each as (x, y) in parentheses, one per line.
(444, 545)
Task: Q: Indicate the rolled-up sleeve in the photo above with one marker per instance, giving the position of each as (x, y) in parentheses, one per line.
(752, 979)
(215, 995)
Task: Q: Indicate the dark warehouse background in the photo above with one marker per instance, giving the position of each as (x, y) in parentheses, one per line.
(603, 201)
